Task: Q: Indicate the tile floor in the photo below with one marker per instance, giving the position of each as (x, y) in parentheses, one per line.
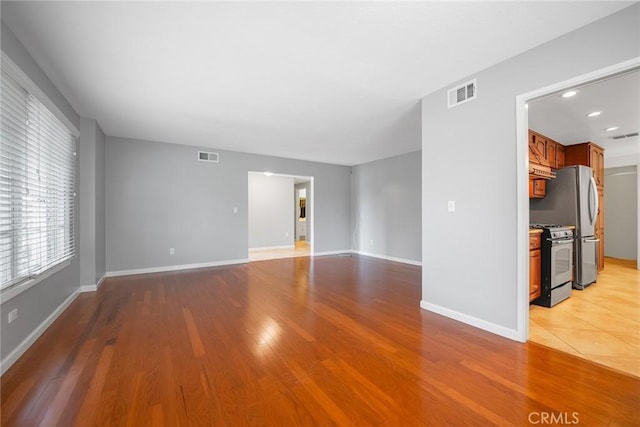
(600, 323)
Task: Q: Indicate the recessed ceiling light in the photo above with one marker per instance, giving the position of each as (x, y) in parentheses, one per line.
(611, 128)
(569, 94)
(594, 114)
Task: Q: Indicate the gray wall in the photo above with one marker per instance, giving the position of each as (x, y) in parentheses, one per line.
(469, 155)
(91, 198)
(621, 212)
(37, 303)
(270, 211)
(100, 223)
(159, 196)
(14, 49)
(386, 207)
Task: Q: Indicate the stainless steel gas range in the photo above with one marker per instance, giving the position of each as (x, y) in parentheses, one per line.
(557, 263)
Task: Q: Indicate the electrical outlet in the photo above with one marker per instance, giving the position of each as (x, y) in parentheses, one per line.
(13, 315)
(286, 234)
(371, 242)
(235, 210)
(172, 251)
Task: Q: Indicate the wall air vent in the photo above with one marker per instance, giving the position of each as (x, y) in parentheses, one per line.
(463, 93)
(628, 135)
(205, 156)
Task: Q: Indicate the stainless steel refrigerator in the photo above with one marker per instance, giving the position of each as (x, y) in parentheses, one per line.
(572, 199)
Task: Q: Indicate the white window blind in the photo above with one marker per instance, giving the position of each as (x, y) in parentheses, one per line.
(37, 187)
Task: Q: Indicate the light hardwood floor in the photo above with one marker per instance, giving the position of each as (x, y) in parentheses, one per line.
(333, 340)
(301, 248)
(600, 323)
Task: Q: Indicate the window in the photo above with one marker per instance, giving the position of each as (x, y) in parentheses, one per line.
(37, 186)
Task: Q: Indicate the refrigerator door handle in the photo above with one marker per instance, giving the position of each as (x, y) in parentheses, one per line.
(593, 200)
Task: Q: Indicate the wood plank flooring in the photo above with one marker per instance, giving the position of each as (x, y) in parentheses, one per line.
(300, 248)
(337, 340)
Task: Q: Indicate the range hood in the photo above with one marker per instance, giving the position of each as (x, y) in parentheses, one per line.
(539, 167)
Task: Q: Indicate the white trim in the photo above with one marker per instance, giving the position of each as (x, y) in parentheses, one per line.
(21, 77)
(312, 201)
(522, 220)
(471, 320)
(174, 267)
(33, 336)
(15, 290)
(93, 288)
(102, 279)
(388, 258)
(326, 253)
(522, 171)
(269, 248)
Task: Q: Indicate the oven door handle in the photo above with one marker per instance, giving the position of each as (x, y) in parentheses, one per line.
(560, 242)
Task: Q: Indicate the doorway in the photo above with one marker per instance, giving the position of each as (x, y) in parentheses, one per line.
(280, 216)
(573, 325)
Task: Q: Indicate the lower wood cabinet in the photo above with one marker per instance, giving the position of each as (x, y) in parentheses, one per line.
(535, 265)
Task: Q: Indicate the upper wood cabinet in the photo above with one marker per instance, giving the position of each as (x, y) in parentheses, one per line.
(560, 156)
(553, 152)
(537, 188)
(587, 154)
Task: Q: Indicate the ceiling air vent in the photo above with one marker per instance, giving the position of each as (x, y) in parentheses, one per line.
(628, 135)
(205, 156)
(463, 93)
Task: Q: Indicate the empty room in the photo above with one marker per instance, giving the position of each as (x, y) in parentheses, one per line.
(318, 213)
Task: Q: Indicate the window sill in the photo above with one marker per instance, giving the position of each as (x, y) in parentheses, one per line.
(15, 290)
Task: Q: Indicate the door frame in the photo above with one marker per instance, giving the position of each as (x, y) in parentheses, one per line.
(522, 177)
(311, 201)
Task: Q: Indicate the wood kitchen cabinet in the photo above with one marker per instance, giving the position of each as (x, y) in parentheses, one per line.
(537, 188)
(552, 151)
(535, 265)
(592, 155)
(560, 156)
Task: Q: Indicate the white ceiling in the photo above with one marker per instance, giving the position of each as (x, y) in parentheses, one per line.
(326, 81)
(565, 119)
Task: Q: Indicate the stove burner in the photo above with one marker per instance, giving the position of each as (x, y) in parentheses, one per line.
(547, 226)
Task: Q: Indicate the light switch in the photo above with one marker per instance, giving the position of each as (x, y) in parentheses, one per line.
(451, 206)
(235, 210)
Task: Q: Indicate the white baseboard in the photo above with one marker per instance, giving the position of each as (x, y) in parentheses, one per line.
(342, 252)
(93, 288)
(33, 336)
(512, 334)
(389, 258)
(174, 267)
(270, 248)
